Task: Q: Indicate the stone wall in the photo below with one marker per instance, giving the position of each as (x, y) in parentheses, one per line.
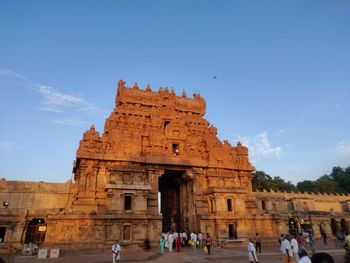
(315, 211)
(21, 201)
(303, 201)
(34, 195)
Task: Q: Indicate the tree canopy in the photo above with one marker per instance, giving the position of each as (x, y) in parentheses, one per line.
(261, 181)
(338, 181)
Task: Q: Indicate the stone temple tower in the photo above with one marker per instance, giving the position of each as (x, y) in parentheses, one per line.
(159, 166)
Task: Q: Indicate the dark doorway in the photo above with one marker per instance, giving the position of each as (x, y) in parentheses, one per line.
(2, 234)
(343, 226)
(232, 232)
(293, 226)
(36, 230)
(334, 227)
(173, 200)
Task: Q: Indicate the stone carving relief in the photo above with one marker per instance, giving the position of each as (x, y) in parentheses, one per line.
(176, 130)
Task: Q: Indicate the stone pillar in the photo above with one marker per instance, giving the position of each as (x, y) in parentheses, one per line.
(196, 196)
(183, 206)
(152, 199)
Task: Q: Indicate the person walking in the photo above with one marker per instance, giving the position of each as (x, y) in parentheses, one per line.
(166, 235)
(162, 245)
(287, 254)
(295, 248)
(307, 238)
(174, 238)
(200, 238)
(178, 243)
(184, 238)
(170, 242)
(303, 256)
(301, 240)
(257, 243)
(312, 241)
(116, 252)
(194, 240)
(281, 239)
(208, 243)
(252, 257)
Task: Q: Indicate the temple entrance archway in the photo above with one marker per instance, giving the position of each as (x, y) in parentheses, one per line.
(36, 230)
(175, 198)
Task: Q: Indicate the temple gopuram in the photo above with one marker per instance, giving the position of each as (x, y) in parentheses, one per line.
(158, 166)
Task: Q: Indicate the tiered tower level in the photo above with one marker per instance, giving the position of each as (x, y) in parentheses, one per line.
(160, 142)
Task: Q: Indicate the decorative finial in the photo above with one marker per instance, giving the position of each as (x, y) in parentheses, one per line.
(136, 86)
(183, 94)
(166, 90)
(160, 89)
(148, 88)
(172, 91)
(92, 127)
(196, 95)
(121, 84)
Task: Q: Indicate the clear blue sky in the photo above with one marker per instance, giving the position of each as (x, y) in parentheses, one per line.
(282, 67)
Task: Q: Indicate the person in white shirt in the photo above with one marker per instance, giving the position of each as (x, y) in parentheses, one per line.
(286, 249)
(166, 235)
(116, 251)
(170, 242)
(200, 238)
(295, 248)
(303, 256)
(184, 238)
(252, 252)
(194, 239)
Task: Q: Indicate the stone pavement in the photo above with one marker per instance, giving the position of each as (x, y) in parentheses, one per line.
(270, 254)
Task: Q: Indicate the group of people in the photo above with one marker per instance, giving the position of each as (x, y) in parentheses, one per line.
(175, 240)
(290, 245)
(293, 249)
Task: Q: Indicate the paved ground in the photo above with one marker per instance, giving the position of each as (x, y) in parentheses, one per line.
(270, 254)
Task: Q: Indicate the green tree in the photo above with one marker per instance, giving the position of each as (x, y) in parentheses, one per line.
(261, 180)
(338, 181)
(326, 184)
(280, 184)
(306, 186)
(342, 178)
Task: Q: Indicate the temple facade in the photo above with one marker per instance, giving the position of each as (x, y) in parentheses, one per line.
(157, 166)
